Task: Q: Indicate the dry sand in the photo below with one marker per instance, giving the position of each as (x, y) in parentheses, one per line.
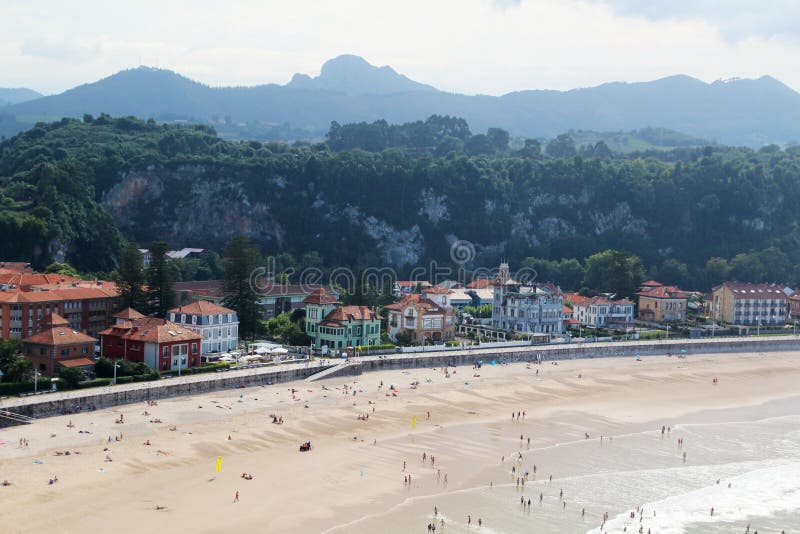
(356, 467)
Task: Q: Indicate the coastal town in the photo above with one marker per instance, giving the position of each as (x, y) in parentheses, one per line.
(63, 324)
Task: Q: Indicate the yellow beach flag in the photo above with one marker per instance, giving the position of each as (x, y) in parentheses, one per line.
(219, 464)
(413, 421)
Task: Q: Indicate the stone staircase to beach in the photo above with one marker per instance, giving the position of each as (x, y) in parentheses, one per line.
(338, 369)
(11, 419)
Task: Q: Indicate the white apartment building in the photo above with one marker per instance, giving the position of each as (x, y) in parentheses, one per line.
(219, 326)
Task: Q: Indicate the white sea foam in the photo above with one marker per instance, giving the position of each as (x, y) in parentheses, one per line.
(760, 492)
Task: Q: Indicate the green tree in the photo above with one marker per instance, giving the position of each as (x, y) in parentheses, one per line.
(614, 271)
(130, 279)
(241, 260)
(72, 376)
(9, 354)
(160, 290)
(716, 271)
(562, 146)
(18, 370)
(62, 268)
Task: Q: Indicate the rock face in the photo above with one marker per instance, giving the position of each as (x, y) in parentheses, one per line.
(188, 204)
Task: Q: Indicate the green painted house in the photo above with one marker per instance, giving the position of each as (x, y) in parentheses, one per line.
(338, 327)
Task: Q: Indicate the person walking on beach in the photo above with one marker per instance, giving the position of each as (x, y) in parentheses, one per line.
(684, 456)
(480, 522)
(236, 497)
(469, 520)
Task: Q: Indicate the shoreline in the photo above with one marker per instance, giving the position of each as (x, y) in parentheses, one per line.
(344, 479)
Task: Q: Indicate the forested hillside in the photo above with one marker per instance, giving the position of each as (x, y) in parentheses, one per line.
(74, 190)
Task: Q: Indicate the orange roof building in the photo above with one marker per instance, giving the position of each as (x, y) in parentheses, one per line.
(87, 306)
(425, 317)
(658, 303)
(161, 344)
(339, 327)
(56, 344)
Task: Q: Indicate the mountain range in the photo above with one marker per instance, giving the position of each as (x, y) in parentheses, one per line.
(751, 112)
(16, 95)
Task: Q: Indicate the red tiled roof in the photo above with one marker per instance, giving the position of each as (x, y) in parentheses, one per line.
(151, 330)
(201, 307)
(321, 295)
(128, 313)
(15, 266)
(566, 309)
(651, 283)
(427, 306)
(73, 293)
(75, 362)
(413, 283)
(59, 335)
(55, 319)
(663, 292)
(480, 283)
(753, 291)
(356, 313)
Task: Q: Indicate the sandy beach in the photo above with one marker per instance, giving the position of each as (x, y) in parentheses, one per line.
(353, 479)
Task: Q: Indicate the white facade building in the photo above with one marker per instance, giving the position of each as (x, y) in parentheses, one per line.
(219, 326)
(537, 309)
(604, 312)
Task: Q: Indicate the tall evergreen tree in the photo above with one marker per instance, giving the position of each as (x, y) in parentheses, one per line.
(241, 259)
(130, 279)
(160, 291)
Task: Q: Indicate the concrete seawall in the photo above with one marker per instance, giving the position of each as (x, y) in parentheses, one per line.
(71, 401)
(65, 402)
(567, 352)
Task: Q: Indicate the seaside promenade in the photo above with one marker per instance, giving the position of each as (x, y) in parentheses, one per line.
(48, 404)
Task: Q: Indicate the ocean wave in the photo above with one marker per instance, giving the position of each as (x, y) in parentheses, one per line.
(760, 492)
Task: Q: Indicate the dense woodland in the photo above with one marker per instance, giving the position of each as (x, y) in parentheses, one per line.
(398, 196)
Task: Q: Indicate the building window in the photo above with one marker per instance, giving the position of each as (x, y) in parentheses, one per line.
(166, 352)
(194, 319)
(194, 348)
(172, 317)
(183, 318)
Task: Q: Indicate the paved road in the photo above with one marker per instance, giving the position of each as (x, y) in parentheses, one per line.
(175, 380)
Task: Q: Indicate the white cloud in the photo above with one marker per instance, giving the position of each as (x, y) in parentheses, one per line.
(472, 46)
(735, 19)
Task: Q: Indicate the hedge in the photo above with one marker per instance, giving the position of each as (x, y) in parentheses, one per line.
(15, 388)
(124, 379)
(145, 378)
(97, 382)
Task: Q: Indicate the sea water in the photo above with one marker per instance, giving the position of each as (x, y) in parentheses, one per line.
(748, 471)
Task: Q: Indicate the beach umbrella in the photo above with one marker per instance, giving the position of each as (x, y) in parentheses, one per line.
(280, 350)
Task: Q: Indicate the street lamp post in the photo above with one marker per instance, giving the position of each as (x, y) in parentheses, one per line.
(36, 375)
(667, 338)
(116, 364)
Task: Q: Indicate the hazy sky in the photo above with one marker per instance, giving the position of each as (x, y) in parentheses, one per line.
(470, 46)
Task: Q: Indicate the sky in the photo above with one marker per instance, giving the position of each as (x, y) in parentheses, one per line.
(466, 46)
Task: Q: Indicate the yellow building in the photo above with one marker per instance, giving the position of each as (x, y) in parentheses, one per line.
(658, 303)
